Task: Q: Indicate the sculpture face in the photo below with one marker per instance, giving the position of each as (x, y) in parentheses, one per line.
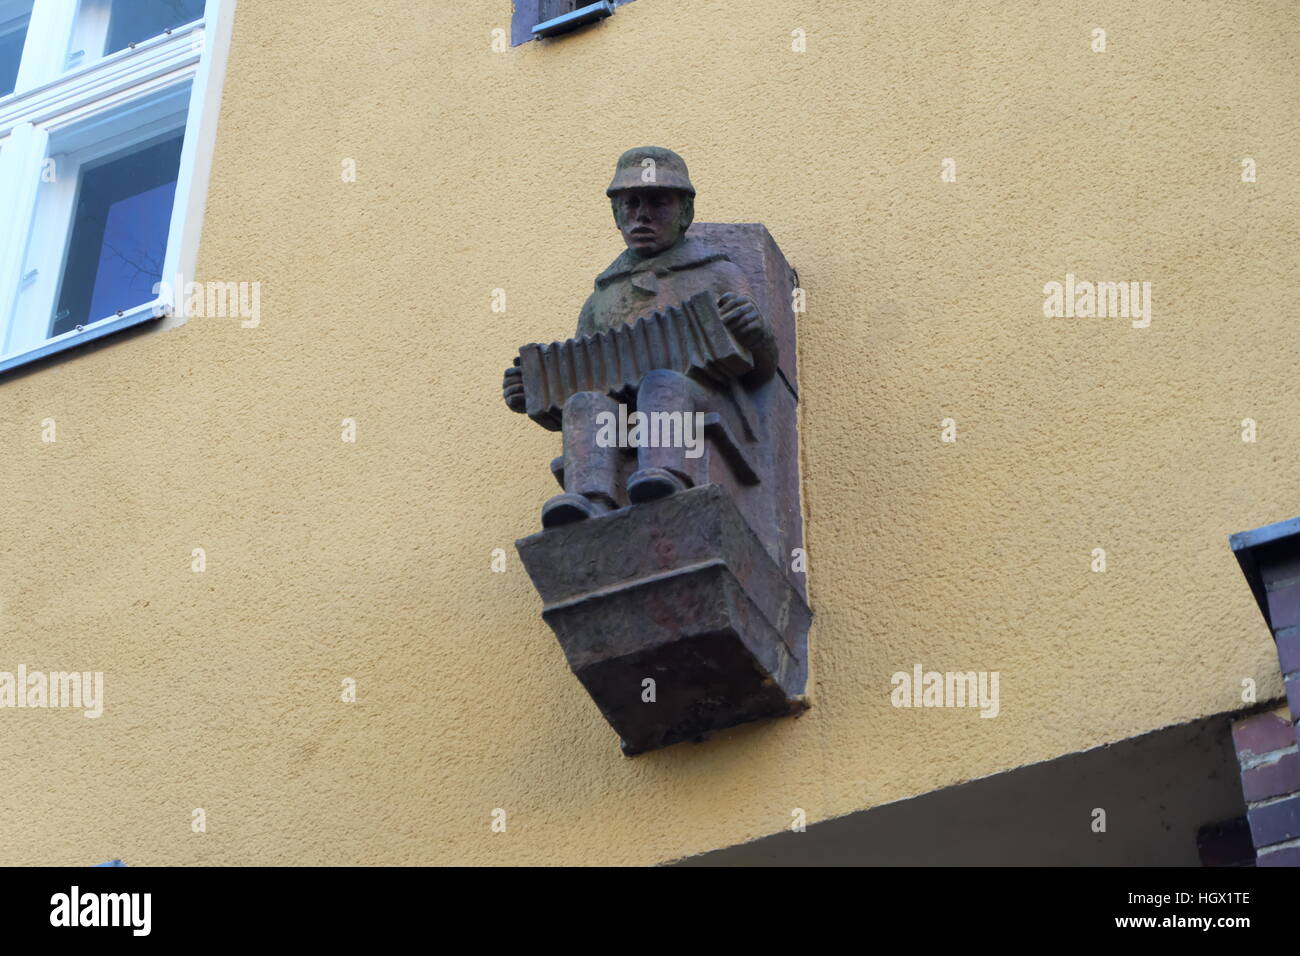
(651, 220)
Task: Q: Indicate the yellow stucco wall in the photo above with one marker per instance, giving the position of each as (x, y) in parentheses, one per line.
(480, 170)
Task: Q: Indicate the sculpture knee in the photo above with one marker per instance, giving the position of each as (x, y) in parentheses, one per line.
(664, 389)
(585, 406)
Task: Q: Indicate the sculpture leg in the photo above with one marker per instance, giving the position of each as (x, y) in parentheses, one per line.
(662, 470)
(590, 471)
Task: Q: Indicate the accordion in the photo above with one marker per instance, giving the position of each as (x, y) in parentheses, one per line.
(690, 338)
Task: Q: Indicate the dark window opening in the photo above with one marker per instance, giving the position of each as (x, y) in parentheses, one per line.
(119, 234)
(529, 13)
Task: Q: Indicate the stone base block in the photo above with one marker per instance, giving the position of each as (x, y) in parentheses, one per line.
(681, 593)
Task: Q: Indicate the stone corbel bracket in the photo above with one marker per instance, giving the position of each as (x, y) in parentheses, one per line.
(679, 592)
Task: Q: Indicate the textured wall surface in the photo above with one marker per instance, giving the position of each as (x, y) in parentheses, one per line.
(479, 170)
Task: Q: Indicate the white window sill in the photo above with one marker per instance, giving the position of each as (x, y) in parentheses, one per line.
(72, 338)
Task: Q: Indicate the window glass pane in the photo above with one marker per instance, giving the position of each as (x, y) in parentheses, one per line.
(13, 32)
(119, 234)
(550, 9)
(103, 27)
(134, 20)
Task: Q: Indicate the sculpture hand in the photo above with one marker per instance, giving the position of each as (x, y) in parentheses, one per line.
(742, 317)
(512, 389)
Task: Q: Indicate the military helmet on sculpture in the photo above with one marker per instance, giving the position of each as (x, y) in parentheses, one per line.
(650, 167)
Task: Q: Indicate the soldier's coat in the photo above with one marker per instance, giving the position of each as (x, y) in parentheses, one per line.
(632, 287)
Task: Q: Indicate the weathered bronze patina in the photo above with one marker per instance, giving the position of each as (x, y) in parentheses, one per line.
(672, 570)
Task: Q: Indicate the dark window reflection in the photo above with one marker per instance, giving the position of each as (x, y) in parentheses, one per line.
(12, 34)
(119, 234)
(134, 20)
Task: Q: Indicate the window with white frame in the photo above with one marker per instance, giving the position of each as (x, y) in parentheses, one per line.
(108, 113)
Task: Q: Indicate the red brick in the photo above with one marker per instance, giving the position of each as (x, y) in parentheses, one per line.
(1288, 651)
(1287, 857)
(1262, 733)
(1279, 564)
(1275, 822)
(1284, 606)
(1272, 779)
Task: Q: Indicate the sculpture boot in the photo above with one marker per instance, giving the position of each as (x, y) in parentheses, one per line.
(568, 508)
(650, 484)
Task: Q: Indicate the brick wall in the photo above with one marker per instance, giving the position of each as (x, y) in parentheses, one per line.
(1270, 781)
(1279, 569)
(1268, 744)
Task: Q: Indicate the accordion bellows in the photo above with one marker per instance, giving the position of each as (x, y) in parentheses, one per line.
(690, 338)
